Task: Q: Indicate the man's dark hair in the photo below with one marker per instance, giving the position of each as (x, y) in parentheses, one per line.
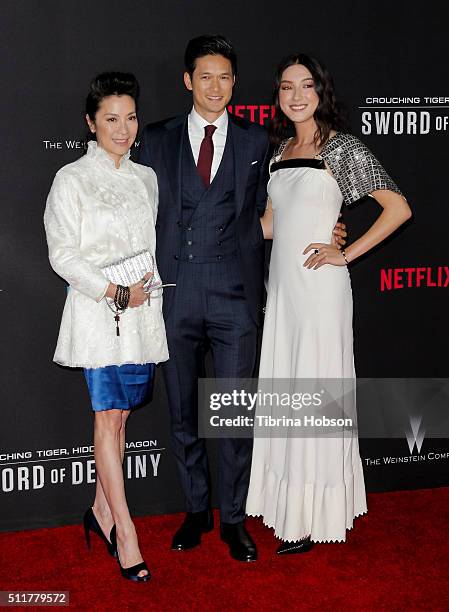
(209, 44)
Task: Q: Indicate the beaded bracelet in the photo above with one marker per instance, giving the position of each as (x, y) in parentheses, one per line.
(121, 301)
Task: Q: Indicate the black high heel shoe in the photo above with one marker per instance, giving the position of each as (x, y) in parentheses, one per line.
(91, 524)
(130, 573)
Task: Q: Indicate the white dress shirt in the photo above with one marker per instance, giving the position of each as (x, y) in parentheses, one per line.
(196, 125)
(97, 214)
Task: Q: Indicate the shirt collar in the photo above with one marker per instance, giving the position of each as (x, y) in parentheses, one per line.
(199, 123)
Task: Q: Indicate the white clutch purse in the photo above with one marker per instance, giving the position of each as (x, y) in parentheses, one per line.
(131, 270)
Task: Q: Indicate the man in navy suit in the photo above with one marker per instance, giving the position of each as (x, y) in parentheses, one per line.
(212, 171)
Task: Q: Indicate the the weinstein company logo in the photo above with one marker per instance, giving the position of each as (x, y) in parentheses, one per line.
(415, 434)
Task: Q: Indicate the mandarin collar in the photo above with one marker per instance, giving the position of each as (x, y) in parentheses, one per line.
(95, 152)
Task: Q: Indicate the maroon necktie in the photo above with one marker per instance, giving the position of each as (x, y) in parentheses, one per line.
(206, 154)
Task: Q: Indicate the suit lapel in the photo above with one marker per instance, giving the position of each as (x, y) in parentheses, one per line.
(243, 151)
(173, 145)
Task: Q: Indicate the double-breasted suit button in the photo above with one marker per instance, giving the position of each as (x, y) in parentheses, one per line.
(219, 257)
(190, 256)
(189, 229)
(176, 257)
(189, 242)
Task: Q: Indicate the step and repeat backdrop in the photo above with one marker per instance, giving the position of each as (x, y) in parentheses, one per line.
(389, 64)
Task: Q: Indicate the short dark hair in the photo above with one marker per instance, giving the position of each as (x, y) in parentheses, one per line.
(329, 114)
(110, 84)
(209, 44)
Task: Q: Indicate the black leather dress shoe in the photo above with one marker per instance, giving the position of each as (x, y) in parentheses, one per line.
(293, 548)
(189, 534)
(241, 545)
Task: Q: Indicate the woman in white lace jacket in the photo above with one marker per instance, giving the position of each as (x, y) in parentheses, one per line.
(100, 209)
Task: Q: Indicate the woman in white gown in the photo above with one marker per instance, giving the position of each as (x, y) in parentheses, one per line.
(309, 489)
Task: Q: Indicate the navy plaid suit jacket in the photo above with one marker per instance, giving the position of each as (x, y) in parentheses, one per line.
(161, 147)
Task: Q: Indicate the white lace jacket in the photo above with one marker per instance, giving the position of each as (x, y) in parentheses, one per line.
(97, 214)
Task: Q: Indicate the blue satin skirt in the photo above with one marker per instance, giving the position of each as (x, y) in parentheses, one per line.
(121, 387)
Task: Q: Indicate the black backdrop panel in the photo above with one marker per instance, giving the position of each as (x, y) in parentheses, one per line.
(398, 104)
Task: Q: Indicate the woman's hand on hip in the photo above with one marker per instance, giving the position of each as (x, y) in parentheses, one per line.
(323, 254)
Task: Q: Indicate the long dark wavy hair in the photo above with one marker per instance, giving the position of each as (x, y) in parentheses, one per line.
(329, 115)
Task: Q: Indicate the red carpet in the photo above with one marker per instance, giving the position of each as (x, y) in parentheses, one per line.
(396, 558)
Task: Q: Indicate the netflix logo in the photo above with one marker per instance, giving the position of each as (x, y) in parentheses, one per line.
(406, 278)
(257, 113)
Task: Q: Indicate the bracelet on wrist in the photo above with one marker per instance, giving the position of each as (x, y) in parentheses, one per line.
(343, 252)
(121, 301)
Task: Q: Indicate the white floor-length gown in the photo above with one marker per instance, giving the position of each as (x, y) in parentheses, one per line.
(306, 486)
